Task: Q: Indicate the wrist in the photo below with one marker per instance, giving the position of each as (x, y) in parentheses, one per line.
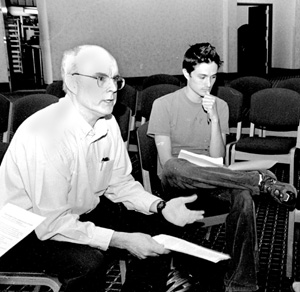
(160, 206)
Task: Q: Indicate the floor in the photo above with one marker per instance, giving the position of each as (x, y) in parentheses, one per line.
(272, 222)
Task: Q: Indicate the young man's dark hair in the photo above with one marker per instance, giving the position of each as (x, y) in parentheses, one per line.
(200, 53)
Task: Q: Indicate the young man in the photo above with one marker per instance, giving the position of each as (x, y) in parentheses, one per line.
(69, 164)
(193, 119)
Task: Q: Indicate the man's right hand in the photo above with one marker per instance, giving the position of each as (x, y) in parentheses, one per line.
(140, 245)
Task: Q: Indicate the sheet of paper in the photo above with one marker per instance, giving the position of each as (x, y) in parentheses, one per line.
(15, 224)
(252, 165)
(200, 159)
(180, 245)
(206, 161)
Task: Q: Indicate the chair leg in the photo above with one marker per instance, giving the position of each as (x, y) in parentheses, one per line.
(207, 235)
(122, 264)
(290, 244)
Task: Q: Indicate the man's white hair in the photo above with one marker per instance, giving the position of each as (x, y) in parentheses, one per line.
(69, 64)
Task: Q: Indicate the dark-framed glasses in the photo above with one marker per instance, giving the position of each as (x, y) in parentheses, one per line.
(103, 80)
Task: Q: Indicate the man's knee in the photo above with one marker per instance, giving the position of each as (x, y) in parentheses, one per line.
(243, 201)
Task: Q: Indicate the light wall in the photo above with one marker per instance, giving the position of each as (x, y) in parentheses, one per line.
(151, 36)
(146, 37)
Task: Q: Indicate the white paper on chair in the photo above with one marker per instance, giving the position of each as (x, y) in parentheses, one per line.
(16, 224)
(180, 245)
(206, 161)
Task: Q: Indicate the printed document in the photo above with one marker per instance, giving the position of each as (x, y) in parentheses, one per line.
(15, 224)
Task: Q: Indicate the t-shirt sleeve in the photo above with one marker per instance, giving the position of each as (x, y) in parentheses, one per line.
(159, 122)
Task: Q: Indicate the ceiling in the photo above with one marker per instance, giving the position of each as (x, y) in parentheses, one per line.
(21, 3)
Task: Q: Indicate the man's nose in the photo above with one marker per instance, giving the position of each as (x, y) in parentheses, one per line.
(112, 85)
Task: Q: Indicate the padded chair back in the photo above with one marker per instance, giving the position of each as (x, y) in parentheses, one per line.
(5, 108)
(248, 85)
(291, 83)
(234, 99)
(128, 96)
(235, 102)
(28, 105)
(56, 89)
(3, 148)
(122, 114)
(276, 113)
(275, 108)
(160, 79)
(148, 95)
(148, 156)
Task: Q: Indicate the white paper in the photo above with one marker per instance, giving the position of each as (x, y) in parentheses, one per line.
(180, 245)
(252, 165)
(15, 224)
(200, 159)
(207, 161)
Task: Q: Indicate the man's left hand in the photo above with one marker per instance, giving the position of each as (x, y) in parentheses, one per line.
(177, 213)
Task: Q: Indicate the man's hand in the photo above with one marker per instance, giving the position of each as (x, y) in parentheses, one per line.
(209, 105)
(140, 245)
(177, 213)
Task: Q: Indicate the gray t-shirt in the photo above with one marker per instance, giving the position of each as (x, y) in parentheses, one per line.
(185, 122)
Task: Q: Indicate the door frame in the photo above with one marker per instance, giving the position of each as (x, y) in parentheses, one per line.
(269, 12)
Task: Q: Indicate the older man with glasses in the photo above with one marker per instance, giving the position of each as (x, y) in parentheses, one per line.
(69, 164)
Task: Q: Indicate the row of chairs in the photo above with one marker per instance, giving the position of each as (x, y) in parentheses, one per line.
(274, 115)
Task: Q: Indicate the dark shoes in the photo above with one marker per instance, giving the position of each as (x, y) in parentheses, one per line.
(282, 193)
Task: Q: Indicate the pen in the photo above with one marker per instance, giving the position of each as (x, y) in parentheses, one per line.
(104, 159)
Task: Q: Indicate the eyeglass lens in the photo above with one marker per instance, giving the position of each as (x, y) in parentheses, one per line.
(104, 80)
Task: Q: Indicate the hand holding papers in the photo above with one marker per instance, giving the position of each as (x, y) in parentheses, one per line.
(180, 245)
(206, 161)
(16, 223)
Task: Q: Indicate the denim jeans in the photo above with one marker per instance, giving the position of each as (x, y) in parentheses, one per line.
(181, 177)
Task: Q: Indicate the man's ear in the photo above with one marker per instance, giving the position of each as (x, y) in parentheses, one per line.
(71, 83)
(186, 74)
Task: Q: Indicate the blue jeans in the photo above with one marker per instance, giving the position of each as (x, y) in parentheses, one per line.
(181, 177)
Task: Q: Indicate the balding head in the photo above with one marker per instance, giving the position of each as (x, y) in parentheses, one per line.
(84, 59)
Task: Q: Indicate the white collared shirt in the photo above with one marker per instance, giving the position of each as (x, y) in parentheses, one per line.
(58, 166)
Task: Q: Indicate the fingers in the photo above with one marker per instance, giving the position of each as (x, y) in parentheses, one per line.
(197, 215)
(189, 199)
(208, 102)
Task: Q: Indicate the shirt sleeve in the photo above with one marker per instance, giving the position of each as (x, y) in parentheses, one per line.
(123, 188)
(159, 122)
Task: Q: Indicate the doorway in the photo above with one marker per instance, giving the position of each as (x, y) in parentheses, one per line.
(254, 39)
(23, 49)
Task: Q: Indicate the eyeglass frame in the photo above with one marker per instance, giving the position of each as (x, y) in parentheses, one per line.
(101, 75)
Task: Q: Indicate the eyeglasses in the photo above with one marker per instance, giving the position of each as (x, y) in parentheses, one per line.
(103, 80)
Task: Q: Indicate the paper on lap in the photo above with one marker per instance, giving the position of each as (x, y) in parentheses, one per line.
(206, 161)
(16, 223)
